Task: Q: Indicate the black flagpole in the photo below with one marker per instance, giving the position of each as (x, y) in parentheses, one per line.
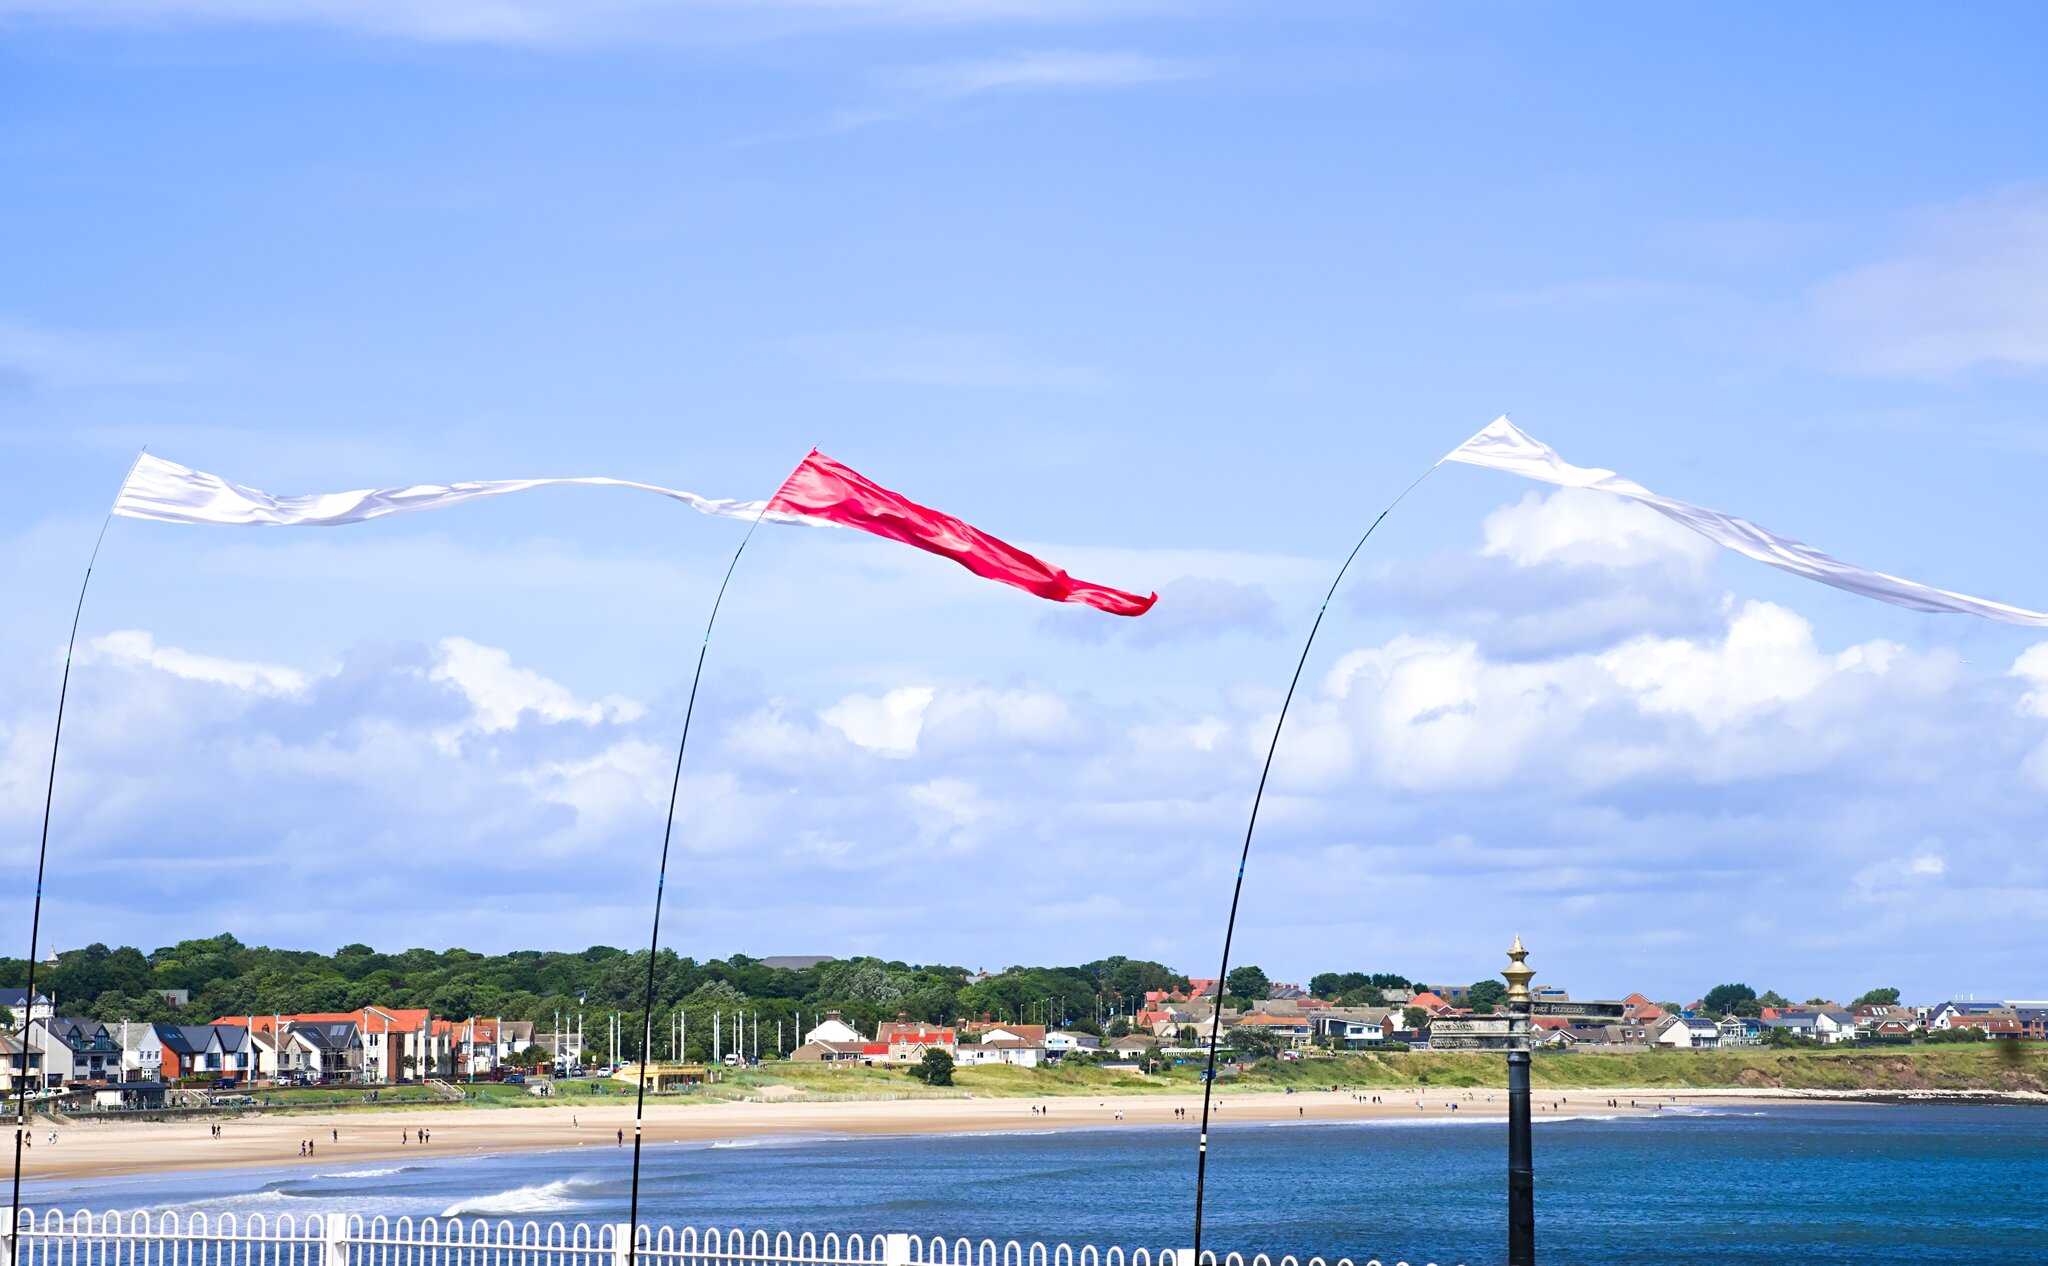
(35, 921)
(660, 883)
(1230, 927)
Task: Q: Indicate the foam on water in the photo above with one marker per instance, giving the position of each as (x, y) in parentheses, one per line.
(548, 1197)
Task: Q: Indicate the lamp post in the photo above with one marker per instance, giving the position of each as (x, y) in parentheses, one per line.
(1521, 1165)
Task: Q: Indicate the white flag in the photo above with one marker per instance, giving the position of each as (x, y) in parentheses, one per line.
(170, 493)
(1505, 446)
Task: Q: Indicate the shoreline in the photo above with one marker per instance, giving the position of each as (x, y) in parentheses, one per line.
(96, 1149)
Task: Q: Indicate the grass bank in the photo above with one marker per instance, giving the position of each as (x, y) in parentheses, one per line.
(1986, 1067)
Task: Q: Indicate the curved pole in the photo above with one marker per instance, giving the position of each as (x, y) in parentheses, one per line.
(35, 920)
(661, 883)
(1244, 855)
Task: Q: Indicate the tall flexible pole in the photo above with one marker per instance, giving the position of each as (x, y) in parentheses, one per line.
(1237, 891)
(35, 919)
(660, 884)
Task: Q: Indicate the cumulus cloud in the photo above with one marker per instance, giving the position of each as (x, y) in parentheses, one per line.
(1569, 570)
(1743, 762)
(500, 693)
(887, 725)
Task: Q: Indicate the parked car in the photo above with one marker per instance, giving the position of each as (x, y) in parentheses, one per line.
(515, 1079)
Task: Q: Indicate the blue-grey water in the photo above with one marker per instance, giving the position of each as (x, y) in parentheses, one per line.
(1794, 1183)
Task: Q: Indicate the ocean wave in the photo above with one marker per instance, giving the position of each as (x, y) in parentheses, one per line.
(551, 1197)
(371, 1173)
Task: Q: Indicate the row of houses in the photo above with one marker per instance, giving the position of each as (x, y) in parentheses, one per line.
(905, 1041)
(375, 1045)
(1631, 1023)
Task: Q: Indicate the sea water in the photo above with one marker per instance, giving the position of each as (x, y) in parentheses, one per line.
(1786, 1183)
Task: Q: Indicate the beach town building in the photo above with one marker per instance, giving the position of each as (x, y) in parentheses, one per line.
(1689, 1033)
(75, 1050)
(19, 1061)
(823, 1052)
(1064, 1042)
(1741, 1030)
(907, 1045)
(1001, 1050)
(1348, 1028)
(27, 1010)
(834, 1028)
(1293, 1031)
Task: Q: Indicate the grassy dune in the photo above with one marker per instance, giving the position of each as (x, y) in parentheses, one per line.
(1986, 1067)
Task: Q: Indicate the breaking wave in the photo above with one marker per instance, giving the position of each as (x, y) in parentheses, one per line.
(551, 1197)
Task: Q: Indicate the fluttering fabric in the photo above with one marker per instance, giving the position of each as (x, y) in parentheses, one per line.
(821, 488)
(1506, 447)
(170, 493)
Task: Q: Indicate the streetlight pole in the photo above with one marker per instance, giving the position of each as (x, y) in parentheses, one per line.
(1521, 1162)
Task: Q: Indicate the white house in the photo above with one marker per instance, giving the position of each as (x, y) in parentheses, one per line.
(833, 1029)
(27, 1010)
(1006, 1050)
(1064, 1042)
(1690, 1034)
(1834, 1026)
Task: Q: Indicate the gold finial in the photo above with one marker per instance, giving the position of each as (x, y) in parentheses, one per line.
(1518, 974)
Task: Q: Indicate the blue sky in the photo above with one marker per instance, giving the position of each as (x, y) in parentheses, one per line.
(1179, 294)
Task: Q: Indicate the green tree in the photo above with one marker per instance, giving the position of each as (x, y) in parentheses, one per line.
(1485, 995)
(1253, 1040)
(1772, 998)
(1959, 1034)
(1878, 998)
(936, 1069)
(1413, 1017)
(1731, 1000)
(1188, 1035)
(1119, 1027)
(1249, 983)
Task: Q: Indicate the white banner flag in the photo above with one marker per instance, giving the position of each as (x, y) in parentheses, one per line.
(170, 493)
(1506, 447)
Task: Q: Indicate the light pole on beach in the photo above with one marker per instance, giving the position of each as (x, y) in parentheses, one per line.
(1521, 1162)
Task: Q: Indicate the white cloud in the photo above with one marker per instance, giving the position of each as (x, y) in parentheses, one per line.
(887, 725)
(1965, 292)
(2032, 668)
(1918, 870)
(1768, 657)
(136, 647)
(1577, 526)
(1433, 712)
(500, 694)
(1058, 70)
(903, 721)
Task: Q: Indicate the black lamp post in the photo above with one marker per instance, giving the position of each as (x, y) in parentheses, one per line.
(1521, 1164)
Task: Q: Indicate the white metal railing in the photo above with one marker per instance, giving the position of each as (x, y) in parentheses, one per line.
(169, 1239)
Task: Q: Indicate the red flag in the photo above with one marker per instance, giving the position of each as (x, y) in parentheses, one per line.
(824, 489)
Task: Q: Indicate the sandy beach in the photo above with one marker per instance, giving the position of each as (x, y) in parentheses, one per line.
(91, 1148)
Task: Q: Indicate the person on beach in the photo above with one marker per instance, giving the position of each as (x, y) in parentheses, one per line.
(622, 1136)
